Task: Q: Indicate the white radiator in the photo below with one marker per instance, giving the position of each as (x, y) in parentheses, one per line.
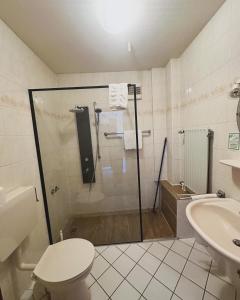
(196, 152)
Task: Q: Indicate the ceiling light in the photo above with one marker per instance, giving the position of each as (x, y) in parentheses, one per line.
(117, 16)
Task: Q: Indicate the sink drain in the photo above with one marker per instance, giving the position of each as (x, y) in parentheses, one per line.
(236, 242)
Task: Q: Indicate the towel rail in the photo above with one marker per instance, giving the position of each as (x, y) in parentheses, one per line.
(148, 132)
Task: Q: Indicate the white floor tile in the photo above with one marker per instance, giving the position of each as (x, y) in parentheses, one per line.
(188, 290)
(201, 248)
(196, 274)
(167, 243)
(89, 280)
(97, 293)
(110, 280)
(167, 276)
(208, 296)
(175, 261)
(220, 288)
(111, 254)
(99, 266)
(135, 252)
(124, 264)
(125, 292)
(123, 247)
(139, 278)
(124, 258)
(158, 250)
(189, 241)
(100, 249)
(181, 248)
(149, 263)
(145, 245)
(200, 258)
(175, 297)
(156, 291)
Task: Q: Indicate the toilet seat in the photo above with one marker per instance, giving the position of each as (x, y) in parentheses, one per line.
(65, 261)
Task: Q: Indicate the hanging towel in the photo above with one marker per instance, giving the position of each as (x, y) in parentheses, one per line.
(118, 96)
(129, 137)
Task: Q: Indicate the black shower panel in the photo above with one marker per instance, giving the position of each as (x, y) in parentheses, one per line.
(85, 144)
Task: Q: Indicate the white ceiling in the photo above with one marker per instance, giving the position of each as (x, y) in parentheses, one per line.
(68, 36)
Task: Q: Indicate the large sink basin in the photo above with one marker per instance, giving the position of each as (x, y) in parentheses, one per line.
(217, 222)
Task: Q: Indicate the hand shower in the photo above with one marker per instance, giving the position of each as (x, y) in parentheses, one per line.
(235, 93)
(76, 109)
(97, 112)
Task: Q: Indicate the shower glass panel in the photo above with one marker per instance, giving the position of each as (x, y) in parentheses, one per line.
(90, 180)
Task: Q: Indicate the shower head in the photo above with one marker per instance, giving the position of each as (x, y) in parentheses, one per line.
(98, 110)
(77, 109)
(235, 92)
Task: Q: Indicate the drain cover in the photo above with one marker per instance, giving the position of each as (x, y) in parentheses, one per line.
(236, 242)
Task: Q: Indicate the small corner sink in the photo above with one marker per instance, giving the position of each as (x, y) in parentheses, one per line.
(217, 222)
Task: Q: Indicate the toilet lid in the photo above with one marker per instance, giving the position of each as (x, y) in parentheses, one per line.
(65, 260)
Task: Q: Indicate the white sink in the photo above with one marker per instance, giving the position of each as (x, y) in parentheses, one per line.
(217, 223)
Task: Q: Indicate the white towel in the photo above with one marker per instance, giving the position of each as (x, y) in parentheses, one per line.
(129, 137)
(204, 196)
(118, 96)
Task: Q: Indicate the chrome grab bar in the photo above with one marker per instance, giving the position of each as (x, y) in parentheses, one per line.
(121, 133)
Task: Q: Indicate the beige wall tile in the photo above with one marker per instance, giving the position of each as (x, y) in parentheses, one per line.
(20, 69)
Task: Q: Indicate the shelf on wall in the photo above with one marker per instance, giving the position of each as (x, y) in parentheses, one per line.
(231, 162)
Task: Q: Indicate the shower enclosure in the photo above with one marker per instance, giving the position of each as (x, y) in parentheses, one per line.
(90, 183)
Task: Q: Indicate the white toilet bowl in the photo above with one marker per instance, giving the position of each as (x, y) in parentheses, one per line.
(63, 268)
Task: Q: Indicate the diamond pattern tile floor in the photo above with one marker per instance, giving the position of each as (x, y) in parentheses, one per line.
(111, 254)
(124, 264)
(164, 269)
(139, 278)
(126, 291)
(149, 263)
(156, 291)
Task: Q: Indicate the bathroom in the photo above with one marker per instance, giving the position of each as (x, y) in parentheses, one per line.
(179, 71)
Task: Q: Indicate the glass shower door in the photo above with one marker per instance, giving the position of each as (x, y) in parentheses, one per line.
(91, 181)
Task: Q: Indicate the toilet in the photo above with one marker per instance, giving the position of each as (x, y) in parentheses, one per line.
(63, 268)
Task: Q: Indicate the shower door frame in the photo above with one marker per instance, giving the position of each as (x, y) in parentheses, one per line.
(40, 165)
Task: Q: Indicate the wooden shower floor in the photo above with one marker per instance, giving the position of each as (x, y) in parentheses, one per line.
(109, 229)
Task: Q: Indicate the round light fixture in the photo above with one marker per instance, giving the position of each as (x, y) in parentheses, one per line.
(117, 16)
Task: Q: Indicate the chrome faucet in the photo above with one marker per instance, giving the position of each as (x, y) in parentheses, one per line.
(183, 186)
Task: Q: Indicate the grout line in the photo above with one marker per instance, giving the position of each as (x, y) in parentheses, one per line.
(219, 277)
(182, 275)
(156, 270)
(124, 277)
(186, 258)
(153, 275)
(182, 271)
(206, 281)
(101, 288)
(161, 261)
(136, 263)
(146, 242)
